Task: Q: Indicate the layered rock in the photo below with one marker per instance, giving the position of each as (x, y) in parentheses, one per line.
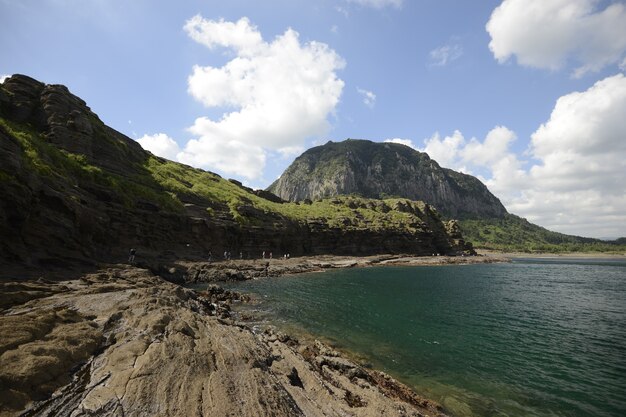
(124, 342)
(74, 191)
(376, 170)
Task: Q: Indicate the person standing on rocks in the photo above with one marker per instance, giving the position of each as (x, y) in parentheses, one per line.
(131, 255)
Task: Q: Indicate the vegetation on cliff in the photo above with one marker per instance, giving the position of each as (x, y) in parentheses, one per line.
(516, 234)
(74, 189)
(380, 170)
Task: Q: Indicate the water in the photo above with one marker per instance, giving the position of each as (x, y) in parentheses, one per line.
(537, 337)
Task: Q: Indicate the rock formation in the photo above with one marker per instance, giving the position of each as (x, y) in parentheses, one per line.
(377, 170)
(74, 191)
(123, 342)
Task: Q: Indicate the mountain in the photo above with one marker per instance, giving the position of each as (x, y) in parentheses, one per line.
(376, 170)
(514, 233)
(75, 191)
(373, 169)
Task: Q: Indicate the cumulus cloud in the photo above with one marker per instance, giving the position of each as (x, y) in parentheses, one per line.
(378, 4)
(550, 33)
(369, 98)
(278, 94)
(573, 181)
(446, 150)
(442, 56)
(581, 151)
(291, 151)
(3, 77)
(231, 157)
(161, 145)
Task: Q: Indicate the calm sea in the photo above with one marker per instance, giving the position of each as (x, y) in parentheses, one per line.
(536, 337)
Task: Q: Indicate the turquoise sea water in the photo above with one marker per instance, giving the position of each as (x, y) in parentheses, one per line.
(537, 337)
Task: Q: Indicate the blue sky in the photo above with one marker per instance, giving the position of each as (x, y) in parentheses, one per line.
(529, 95)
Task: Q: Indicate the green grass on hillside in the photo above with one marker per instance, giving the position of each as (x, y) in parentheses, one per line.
(170, 185)
(513, 233)
(346, 212)
(62, 167)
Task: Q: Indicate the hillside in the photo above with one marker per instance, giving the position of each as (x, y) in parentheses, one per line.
(513, 233)
(378, 170)
(73, 190)
(360, 167)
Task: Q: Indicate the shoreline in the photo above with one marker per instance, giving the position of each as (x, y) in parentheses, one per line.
(125, 341)
(582, 255)
(244, 269)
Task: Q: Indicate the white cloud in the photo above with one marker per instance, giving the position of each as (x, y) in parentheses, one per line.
(343, 11)
(280, 93)
(378, 4)
(242, 36)
(442, 56)
(550, 33)
(582, 153)
(576, 182)
(291, 151)
(369, 98)
(492, 149)
(231, 157)
(3, 77)
(405, 142)
(161, 145)
(445, 151)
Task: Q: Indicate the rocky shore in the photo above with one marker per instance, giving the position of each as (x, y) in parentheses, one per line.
(243, 269)
(122, 341)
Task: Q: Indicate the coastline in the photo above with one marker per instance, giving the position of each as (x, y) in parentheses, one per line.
(587, 255)
(243, 269)
(125, 341)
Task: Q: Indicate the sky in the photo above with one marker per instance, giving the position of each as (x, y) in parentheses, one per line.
(527, 95)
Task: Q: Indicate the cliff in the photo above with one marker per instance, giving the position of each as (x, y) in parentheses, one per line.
(74, 191)
(376, 170)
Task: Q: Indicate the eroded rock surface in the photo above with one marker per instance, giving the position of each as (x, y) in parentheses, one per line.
(74, 191)
(374, 170)
(125, 342)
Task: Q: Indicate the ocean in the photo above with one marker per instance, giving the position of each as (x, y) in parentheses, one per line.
(535, 337)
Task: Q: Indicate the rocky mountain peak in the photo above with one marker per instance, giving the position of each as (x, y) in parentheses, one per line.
(378, 170)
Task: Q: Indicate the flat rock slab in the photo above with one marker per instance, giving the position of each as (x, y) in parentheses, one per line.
(125, 342)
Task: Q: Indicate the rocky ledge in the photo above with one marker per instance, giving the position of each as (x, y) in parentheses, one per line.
(244, 269)
(123, 341)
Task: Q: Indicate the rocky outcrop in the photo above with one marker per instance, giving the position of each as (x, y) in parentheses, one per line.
(76, 192)
(240, 270)
(124, 342)
(378, 170)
